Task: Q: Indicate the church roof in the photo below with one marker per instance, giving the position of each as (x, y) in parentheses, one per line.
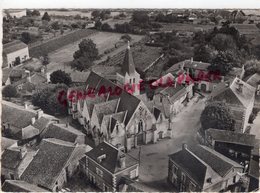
(128, 62)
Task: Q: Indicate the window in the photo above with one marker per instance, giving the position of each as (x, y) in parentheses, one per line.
(117, 129)
(234, 179)
(183, 177)
(12, 176)
(175, 169)
(140, 126)
(160, 99)
(130, 80)
(133, 80)
(105, 188)
(99, 172)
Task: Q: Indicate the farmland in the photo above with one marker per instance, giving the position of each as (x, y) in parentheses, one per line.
(103, 40)
(184, 27)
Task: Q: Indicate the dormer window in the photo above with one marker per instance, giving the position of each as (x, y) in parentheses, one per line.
(209, 180)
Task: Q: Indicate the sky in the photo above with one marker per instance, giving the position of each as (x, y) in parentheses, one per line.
(229, 4)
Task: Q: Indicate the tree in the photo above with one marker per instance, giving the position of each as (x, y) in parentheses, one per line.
(60, 76)
(98, 25)
(36, 13)
(140, 17)
(106, 27)
(45, 60)
(95, 13)
(202, 53)
(51, 99)
(252, 66)
(26, 37)
(55, 25)
(126, 38)
(217, 115)
(223, 63)
(81, 64)
(28, 12)
(223, 42)
(9, 91)
(87, 49)
(46, 17)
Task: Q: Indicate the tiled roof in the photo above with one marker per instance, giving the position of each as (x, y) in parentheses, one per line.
(105, 108)
(42, 123)
(231, 94)
(53, 155)
(110, 162)
(11, 158)
(13, 46)
(254, 168)
(17, 73)
(204, 160)
(197, 170)
(62, 132)
(189, 64)
(6, 73)
(254, 80)
(77, 76)
(6, 142)
(16, 115)
(20, 186)
(231, 137)
(218, 162)
(127, 102)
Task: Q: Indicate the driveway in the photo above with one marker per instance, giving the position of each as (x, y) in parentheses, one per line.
(154, 157)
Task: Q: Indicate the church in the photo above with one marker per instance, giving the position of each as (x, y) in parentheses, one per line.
(122, 119)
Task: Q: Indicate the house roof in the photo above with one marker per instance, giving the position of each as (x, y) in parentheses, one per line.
(110, 162)
(11, 158)
(254, 168)
(13, 46)
(6, 142)
(189, 64)
(254, 80)
(231, 137)
(62, 132)
(20, 186)
(128, 63)
(6, 74)
(53, 155)
(77, 76)
(16, 115)
(127, 101)
(42, 123)
(230, 93)
(27, 132)
(203, 160)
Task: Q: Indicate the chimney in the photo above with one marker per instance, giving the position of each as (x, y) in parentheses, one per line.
(184, 146)
(227, 84)
(48, 76)
(28, 73)
(33, 120)
(67, 125)
(121, 160)
(23, 152)
(191, 59)
(39, 114)
(25, 106)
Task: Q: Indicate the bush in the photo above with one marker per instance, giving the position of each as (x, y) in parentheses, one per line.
(9, 91)
(60, 76)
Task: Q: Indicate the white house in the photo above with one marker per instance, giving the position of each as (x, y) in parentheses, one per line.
(14, 53)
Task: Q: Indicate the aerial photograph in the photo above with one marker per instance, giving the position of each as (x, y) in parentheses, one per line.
(130, 100)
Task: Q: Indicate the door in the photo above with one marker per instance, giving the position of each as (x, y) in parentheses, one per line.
(203, 87)
(140, 139)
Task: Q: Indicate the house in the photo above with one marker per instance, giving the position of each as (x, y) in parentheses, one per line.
(173, 98)
(105, 166)
(254, 81)
(202, 169)
(6, 76)
(204, 79)
(64, 132)
(237, 16)
(15, 13)
(21, 122)
(109, 113)
(55, 162)
(20, 186)
(239, 97)
(236, 146)
(14, 161)
(14, 53)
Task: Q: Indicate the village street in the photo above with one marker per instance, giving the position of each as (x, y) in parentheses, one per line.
(154, 157)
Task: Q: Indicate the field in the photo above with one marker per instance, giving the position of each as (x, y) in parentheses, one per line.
(184, 27)
(59, 42)
(103, 40)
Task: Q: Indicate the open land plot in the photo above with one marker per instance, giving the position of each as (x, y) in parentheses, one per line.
(103, 40)
(154, 157)
(184, 27)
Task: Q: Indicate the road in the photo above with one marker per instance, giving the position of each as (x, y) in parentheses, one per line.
(154, 157)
